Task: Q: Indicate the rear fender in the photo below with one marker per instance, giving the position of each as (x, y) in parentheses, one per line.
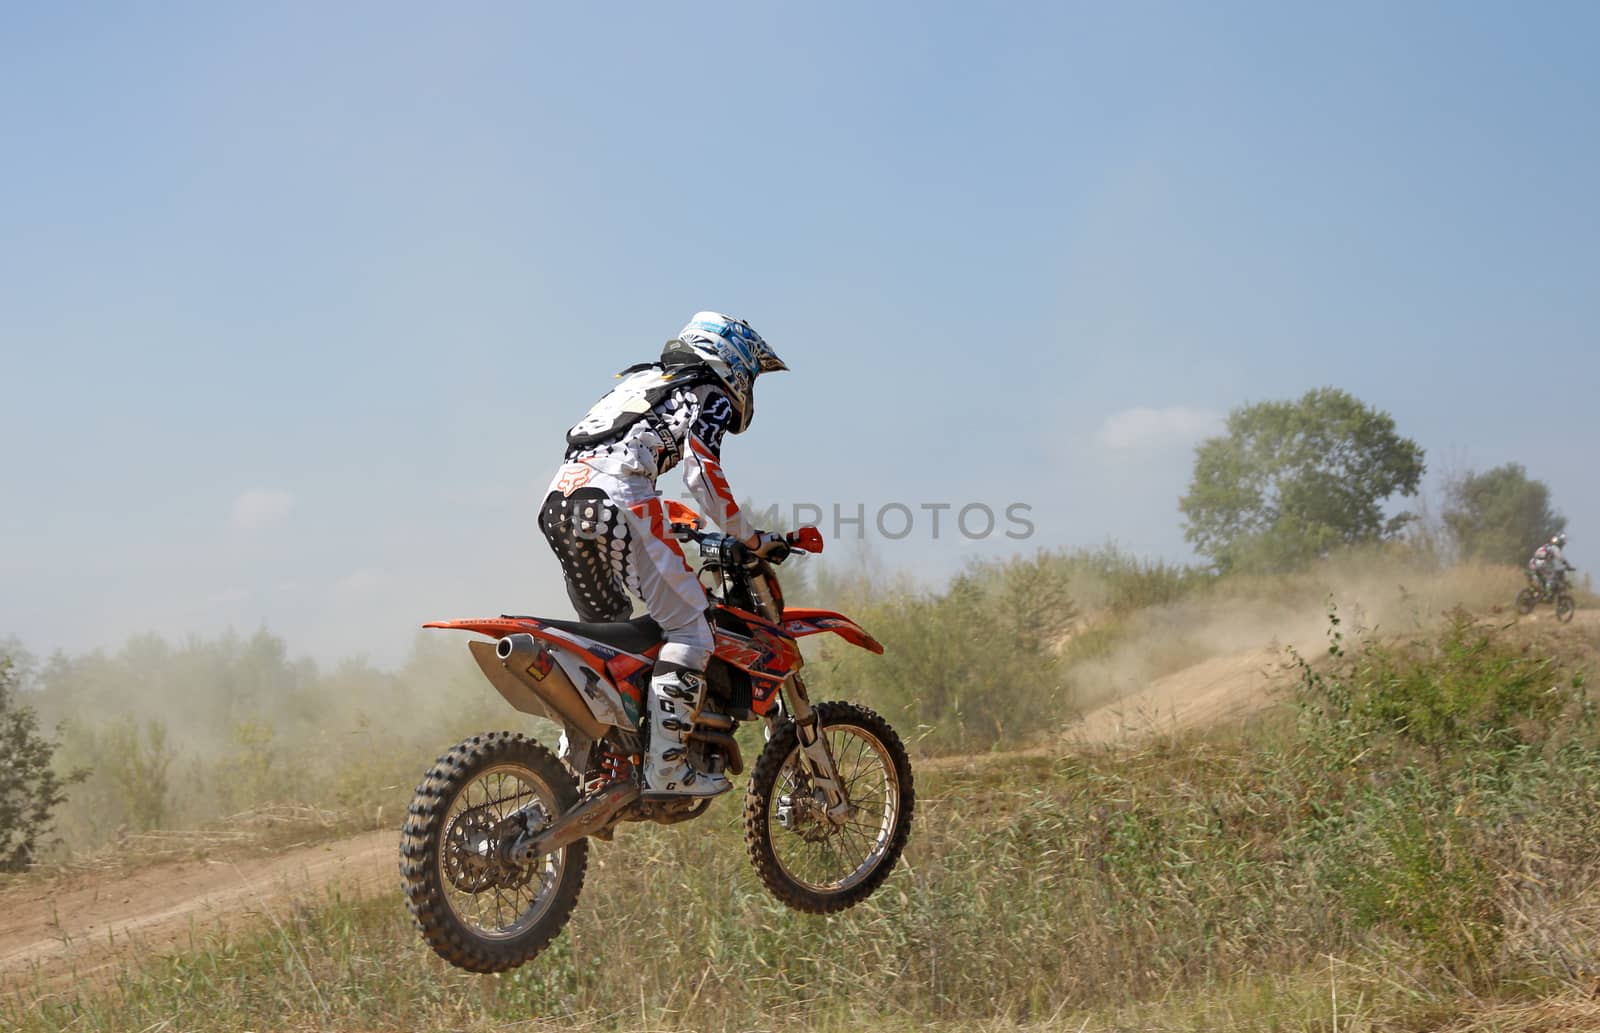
(801, 622)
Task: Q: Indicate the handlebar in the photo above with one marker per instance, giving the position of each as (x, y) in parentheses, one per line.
(806, 539)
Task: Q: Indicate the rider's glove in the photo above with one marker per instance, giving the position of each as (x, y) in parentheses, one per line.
(771, 546)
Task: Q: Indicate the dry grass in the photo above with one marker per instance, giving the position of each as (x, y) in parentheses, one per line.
(1269, 878)
(1257, 877)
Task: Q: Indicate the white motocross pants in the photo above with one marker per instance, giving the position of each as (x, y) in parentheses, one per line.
(611, 535)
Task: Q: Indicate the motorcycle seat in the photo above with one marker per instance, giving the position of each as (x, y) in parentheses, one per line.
(635, 636)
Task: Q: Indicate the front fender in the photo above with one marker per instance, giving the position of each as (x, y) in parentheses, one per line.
(801, 622)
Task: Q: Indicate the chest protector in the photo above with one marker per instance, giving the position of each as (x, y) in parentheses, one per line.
(634, 399)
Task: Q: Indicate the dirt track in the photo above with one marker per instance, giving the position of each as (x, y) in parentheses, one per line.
(1224, 687)
(1207, 693)
(57, 928)
(78, 924)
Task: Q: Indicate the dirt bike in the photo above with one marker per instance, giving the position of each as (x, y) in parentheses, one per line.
(493, 853)
(1556, 592)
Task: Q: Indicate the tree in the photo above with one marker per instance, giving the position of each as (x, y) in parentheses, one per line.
(1291, 481)
(1500, 515)
(31, 789)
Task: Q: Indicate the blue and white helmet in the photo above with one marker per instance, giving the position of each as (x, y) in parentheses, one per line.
(733, 351)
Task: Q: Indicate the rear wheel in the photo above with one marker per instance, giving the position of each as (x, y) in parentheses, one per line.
(1527, 599)
(1566, 606)
(475, 908)
(810, 860)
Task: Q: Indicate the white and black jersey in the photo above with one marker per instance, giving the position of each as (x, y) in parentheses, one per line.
(685, 426)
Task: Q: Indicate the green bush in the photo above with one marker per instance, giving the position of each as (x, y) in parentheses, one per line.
(1460, 693)
(974, 666)
(1113, 581)
(129, 785)
(32, 789)
(1421, 756)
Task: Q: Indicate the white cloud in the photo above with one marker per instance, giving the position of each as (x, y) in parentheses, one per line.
(257, 509)
(1143, 429)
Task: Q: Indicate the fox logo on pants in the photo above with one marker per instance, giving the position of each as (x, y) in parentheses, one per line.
(572, 477)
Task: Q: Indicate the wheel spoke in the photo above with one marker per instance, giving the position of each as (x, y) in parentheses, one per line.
(819, 853)
(487, 892)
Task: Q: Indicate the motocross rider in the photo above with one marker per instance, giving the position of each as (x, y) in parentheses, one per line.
(1548, 564)
(608, 526)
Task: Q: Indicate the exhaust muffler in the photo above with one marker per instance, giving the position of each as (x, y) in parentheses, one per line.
(526, 673)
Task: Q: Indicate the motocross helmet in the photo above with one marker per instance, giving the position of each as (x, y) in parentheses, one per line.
(1560, 540)
(734, 353)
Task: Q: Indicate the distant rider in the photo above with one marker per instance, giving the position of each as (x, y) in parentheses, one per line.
(1548, 565)
(607, 524)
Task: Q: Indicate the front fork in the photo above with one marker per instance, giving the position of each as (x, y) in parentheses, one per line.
(813, 745)
(815, 752)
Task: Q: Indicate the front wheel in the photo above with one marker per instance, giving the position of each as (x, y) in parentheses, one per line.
(475, 907)
(1565, 607)
(809, 859)
(1527, 599)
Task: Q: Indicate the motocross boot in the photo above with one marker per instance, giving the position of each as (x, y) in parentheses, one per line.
(667, 773)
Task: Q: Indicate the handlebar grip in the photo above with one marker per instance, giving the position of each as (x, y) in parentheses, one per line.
(806, 539)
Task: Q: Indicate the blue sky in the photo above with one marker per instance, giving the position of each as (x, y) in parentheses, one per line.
(297, 300)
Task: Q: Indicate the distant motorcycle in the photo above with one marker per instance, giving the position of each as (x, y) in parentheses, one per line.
(495, 845)
(1556, 593)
